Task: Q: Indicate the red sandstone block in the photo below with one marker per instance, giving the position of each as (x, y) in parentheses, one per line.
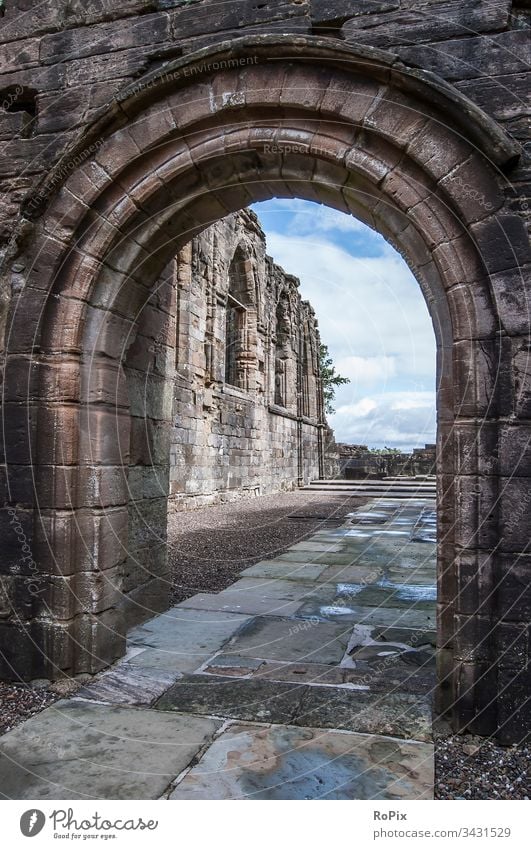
(103, 382)
(350, 100)
(14, 57)
(393, 117)
(152, 125)
(305, 88)
(473, 189)
(117, 152)
(459, 261)
(438, 148)
(105, 38)
(471, 308)
(192, 104)
(502, 241)
(262, 83)
(102, 436)
(435, 219)
(407, 185)
(100, 639)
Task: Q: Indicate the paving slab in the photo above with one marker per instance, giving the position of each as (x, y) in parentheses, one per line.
(186, 639)
(272, 638)
(317, 546)
(395, 714)
(242, 698)
(286, 570)
(80, 750)
(129, 684)
(408, 636)
(391, 617)
(254, 596)
(232, 665)
(247, 762)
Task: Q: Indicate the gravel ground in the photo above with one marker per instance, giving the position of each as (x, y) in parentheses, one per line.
(210, 547)
(468, 767)
(20, 701)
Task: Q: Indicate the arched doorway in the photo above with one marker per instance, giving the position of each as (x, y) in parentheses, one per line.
(181, 148)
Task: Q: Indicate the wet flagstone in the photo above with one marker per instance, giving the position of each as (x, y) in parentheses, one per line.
(261, 701)
(290, 639)
(128, 684)
(394, 714)
(80, 750)
(187, 639)
(387, 616)
(254, 596)
(249, 762)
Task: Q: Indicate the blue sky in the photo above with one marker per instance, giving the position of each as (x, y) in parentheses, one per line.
(372, 316)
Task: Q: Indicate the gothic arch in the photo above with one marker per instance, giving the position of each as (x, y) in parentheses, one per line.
(207, 135)
(240, 321)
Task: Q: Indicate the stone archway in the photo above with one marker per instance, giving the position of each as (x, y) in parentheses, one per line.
(269, 116)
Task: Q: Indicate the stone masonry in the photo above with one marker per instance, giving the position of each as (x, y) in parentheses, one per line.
(248, 410)
(127, 130)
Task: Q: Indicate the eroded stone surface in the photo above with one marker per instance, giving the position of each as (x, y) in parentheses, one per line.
(302, 763)
(184, 640)
(261, 701)
(274, 638)
(80, 750)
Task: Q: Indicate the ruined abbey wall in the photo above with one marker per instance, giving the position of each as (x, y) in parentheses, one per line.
(248, 415)
(63, 61)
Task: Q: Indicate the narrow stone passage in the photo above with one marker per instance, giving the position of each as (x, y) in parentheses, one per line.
(310, 677)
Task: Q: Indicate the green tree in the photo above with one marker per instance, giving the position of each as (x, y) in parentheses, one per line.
(329, 377)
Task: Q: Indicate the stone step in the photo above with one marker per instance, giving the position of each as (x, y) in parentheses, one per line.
(366, 492)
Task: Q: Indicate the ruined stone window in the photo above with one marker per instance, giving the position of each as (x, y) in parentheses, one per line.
(21, 102)
(283, 352)
(234, 334)
(240, 298)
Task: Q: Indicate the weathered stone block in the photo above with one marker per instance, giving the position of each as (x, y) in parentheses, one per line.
(513, 588)
(512, 706)
(469, 57)
(477, 516)
(434, 20)
(100, 640)
(104, 38)
(85, 540)
(514, 510)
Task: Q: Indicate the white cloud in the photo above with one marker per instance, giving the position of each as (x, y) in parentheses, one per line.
(366, 369)
(398, 420)
(372, 316)
(311, 218)
(369, 307)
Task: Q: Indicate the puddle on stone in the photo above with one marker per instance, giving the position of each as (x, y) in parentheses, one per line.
(334, 611)
(359, 534)
(410, 592)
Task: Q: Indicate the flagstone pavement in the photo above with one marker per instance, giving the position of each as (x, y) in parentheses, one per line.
(311, 677)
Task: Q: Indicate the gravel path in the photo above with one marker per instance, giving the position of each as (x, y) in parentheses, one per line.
(208, 548)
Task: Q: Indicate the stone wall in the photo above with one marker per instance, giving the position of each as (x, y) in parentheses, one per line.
(356, 461)
(63, 61)
(248, 415)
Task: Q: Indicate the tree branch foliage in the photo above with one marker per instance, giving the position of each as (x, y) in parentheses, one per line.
(329, 378)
